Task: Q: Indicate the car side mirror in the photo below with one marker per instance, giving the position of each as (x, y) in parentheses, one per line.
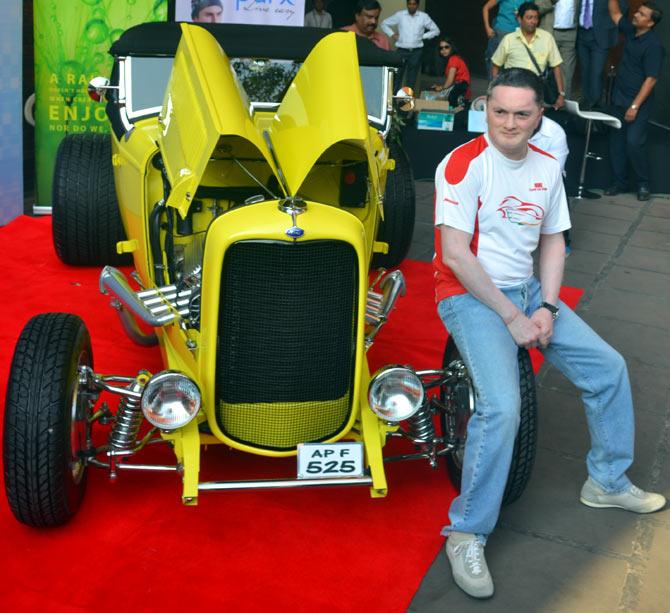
(98, 88)
(404, 99)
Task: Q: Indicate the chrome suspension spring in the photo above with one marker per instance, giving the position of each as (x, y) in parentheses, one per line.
(421, 425)
(128, 419)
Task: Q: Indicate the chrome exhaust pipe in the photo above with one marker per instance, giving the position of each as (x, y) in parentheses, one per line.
(380, 304)
(113, 281)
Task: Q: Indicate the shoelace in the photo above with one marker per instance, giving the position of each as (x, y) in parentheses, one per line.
(473, 555)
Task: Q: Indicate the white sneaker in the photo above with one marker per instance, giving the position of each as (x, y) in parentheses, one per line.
(468, 564)
(633, 499)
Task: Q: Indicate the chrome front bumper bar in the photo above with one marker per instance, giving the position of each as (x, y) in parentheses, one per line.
(266, 484)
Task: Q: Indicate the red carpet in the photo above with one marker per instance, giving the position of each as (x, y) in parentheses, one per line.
(133, 545)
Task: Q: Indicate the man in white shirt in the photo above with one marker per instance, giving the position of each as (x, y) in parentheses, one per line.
(551, 137)
(560, 18)
(318, 17)
(498, 199)
(413, 27)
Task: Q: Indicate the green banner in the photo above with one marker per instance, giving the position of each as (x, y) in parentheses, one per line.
(71, 43)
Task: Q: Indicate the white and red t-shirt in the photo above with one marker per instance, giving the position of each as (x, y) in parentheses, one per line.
(505, 204)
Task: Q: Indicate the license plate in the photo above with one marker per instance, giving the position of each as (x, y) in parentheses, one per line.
(328, 460)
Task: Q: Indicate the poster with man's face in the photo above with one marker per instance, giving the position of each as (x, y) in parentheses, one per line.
(266, 12)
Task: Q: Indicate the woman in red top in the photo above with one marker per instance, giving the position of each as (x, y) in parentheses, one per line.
(456, 73)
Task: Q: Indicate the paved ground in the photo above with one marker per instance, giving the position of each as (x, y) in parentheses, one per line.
(549, 552)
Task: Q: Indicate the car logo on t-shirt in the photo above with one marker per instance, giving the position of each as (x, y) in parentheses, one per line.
(521, 213)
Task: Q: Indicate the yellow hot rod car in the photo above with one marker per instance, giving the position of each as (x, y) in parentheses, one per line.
(252, 182)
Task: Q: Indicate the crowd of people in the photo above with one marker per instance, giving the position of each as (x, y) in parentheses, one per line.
(549, 38)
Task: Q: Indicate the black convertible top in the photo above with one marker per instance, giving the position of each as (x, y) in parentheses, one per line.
(242, 40)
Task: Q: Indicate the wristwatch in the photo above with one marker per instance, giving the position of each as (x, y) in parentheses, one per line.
(561, 94)
(634, 107)
(552, 308)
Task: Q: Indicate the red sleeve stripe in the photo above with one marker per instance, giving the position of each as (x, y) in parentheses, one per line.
(460, 159)
(542, 151)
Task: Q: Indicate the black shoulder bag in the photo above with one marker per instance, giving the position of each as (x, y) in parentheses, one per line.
(549, 86)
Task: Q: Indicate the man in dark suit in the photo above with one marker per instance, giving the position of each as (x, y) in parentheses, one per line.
(596, 35)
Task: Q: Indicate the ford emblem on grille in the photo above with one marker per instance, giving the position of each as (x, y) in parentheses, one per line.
(295, 232)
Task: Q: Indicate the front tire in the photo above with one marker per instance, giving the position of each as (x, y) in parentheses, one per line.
(462, 399)
(86, 223)
(46, 427)
(397, 227)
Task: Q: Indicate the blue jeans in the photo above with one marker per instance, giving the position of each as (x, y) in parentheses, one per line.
(490, 353)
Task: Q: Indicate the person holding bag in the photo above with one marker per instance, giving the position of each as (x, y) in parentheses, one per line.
(534, 49)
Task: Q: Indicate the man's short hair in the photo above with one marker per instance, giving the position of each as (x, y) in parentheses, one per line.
(367, 5)
(198, 5)
(656, 11)
(518, 77)
(527, 6)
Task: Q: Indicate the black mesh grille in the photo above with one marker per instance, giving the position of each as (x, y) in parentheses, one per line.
(286, 341)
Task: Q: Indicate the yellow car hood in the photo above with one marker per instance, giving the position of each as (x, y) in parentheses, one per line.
(204, 101)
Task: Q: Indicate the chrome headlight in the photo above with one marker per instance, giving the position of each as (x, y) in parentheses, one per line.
(170, 400)
(395, 393)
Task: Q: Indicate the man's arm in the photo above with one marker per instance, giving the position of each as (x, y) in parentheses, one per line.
(647, 86)
(499, 57)
(615, 11)
(485, 17)
(558, 75)
(552, 262)
(389, 23)
(456, 254)
(431, 28)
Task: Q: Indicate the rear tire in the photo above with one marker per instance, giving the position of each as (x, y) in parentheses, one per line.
(86, 223)
(397, 227)
(46, 428)
(525, 444)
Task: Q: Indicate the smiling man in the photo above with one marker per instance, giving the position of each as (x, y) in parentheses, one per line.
(497, 200)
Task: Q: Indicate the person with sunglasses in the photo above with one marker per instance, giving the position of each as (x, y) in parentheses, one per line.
(456, 72)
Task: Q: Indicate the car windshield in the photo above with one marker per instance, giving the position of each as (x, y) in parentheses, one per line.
(264, 81)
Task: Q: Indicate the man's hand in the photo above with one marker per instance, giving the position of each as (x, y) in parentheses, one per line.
(436, 88)
(630, 115)
(490, 33)
(560, 102)
(525, 332)
(543, 319)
